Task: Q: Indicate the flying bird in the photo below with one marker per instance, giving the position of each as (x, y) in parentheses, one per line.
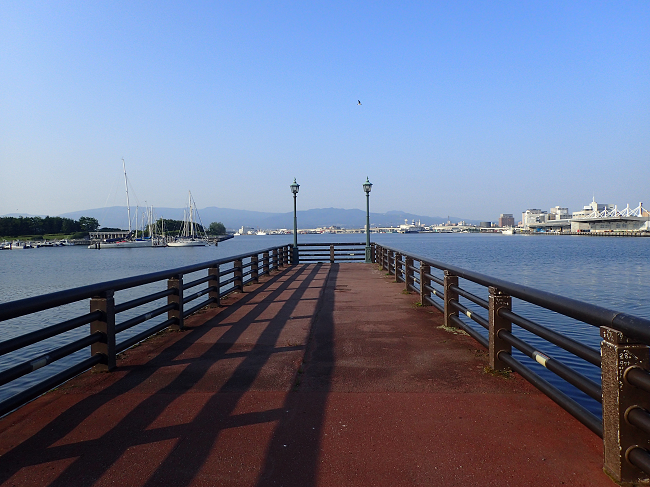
(359, 102)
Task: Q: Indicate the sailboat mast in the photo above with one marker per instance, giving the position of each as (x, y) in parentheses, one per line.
(126, 185)
(191, 219)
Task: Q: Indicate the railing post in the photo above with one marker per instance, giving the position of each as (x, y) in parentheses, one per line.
(498, 301)
(391, 262)
(176, 283)
(424, 282)
(620, 354)
(105, 303)
(255, 268)
(450, 280)
(274, 261)
(331, 253)
(408, 274)
(237, 272)
(398, 267)
(213, 284)
(285, 256)
(373, 253)
(265, 263)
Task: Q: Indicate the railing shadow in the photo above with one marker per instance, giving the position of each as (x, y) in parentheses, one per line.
(293, 454)
(88, 458)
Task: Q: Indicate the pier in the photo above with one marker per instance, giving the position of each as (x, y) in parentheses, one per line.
(325, 372)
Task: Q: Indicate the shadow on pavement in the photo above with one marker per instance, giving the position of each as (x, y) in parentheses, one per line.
(199, 384)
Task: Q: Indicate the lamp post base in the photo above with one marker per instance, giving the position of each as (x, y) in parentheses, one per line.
(295, 257)
(368, 254)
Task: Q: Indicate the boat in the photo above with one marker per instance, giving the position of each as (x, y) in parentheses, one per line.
(260, 233)
(131, 240)
(508, 231)
(190, 233)
(411, 228)
(20, 245)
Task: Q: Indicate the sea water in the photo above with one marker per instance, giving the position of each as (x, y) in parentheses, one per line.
(609, 272)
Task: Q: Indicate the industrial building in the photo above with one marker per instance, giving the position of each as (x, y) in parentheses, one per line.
(593, 218)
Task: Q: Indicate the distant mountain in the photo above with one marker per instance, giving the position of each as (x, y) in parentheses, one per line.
(325, 217)
(115, 216)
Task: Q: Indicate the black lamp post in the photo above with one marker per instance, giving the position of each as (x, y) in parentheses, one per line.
(294, 251)
(367, 186)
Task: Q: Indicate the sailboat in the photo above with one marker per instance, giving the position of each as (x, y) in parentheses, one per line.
(131, 240)
(189, 234)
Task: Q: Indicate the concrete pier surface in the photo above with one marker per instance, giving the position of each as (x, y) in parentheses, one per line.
(321, 375)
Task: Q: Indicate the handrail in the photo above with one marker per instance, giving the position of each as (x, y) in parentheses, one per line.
(331, 252)
(588, 313)
(13, 309)
(624, 355)
(103, 311)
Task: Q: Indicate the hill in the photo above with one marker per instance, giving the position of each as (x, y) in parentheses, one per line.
(115, 216)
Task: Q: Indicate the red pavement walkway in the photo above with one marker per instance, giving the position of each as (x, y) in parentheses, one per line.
(319, 376)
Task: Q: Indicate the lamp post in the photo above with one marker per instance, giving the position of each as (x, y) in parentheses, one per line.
(367, 186)
(294, 251)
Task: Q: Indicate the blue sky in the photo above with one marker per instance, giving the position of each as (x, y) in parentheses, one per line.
(469, 109)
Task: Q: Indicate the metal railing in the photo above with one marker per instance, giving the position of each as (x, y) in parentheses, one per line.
(224, 276)
(624, 389)
(331, 252)
(623, 358)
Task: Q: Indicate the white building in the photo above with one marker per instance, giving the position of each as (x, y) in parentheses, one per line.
(532, 217)
(593, 218)
(591, 208)
(608, 218)
(559, 213)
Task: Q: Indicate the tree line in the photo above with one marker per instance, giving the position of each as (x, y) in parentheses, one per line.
(174, 227)
(38, 226)
(35, 225)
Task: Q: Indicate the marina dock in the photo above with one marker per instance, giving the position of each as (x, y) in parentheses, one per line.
(320, 374)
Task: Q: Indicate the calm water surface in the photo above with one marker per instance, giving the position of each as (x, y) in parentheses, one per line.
(607, 271)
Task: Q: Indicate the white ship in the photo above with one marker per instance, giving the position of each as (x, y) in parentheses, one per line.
(411, 228)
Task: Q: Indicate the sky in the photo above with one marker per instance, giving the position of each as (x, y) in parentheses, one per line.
(469, 109)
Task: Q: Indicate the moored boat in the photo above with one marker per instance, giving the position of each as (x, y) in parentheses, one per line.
(131, 240)
(192, 226)
(20, 245)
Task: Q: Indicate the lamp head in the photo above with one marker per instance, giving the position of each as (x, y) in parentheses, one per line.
(367, 186)
(294, 187)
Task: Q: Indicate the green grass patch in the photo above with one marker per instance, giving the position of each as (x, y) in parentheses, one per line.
(455, 331)
(506, 373)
